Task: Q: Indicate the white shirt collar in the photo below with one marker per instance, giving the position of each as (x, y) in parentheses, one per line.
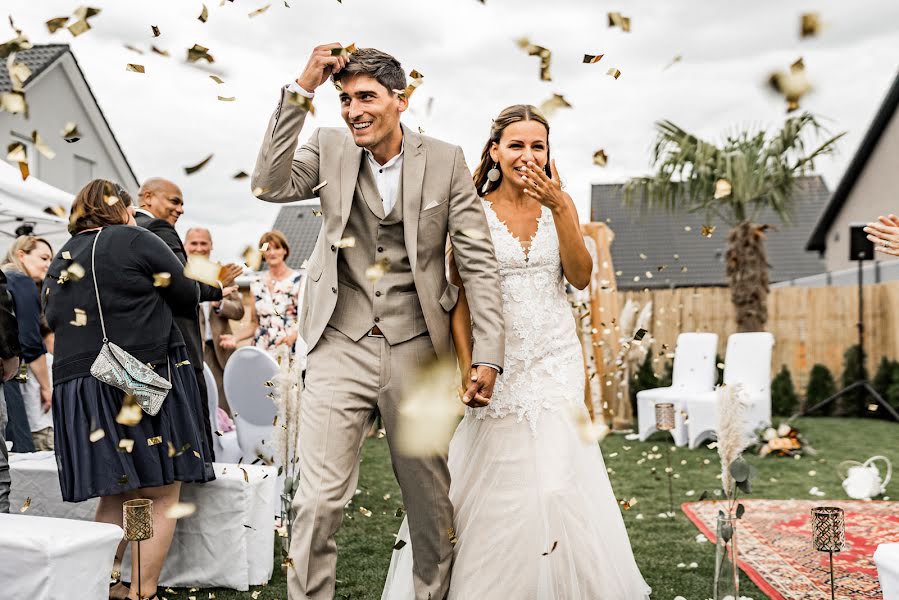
(390, 162)
(144, 211)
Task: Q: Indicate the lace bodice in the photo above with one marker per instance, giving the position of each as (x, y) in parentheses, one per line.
(543, 357)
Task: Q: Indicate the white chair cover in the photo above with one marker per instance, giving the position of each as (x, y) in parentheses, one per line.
(227, 449)
(748, 361)
(694, 372)
(886, 557)
(246, 374)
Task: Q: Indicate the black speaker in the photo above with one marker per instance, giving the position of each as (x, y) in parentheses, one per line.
(860, 247)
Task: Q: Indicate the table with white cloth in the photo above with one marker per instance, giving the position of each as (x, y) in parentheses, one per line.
(886, 557)
(46, 559)
(228, 542)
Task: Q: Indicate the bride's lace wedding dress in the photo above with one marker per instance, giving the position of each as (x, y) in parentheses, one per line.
(535, 515)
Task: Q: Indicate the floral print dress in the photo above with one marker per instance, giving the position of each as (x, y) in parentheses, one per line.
(277, 308)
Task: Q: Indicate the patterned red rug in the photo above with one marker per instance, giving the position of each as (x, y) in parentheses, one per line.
(776, 551)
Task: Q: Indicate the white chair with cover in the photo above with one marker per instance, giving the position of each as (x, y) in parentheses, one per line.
(225, 445)
(694, 373)
(748, 362)
(246, 373)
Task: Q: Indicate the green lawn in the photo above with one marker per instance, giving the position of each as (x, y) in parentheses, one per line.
(659, 544)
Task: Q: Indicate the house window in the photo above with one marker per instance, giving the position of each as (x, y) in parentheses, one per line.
(33, 157)
(84, 171)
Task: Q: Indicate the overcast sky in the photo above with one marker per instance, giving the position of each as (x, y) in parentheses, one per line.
(170, 117)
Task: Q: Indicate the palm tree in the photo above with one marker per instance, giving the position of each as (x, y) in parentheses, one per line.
(733, 183)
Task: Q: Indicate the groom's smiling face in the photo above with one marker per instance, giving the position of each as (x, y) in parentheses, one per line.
(371, 111)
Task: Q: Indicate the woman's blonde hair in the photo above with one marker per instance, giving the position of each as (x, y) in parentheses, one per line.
(27, 244)
(276, 238)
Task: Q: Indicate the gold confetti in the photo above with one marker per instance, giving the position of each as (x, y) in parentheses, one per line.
(347, 242)
(246, 476)
(80, 318)
(316, 212)
(252, 257)
(628, 504)
(217, 79)
(23, 168)
(14, 103)
(155, 30)
(417, 80)
(263, 247)
(153, 441)
(240, 175)
(708, 230)
(19, 73)
(200, 268)
(399, 545)
(66, 255)
(351, 49)
(555, 545)
(70, 133)
(588, 431)
(723, 189)
(365, 511)
(198, 52)
(600, 158)
(197, 454)
(78, 27)
(126, 445)
(162, 279)
(134, 68)
(550, 106)
(111, 200)
(429, 410)
(159, 51)
(616, 19)
(16, 152)
(97, 435)
(376, 271)
(677, 58)
(123, 480)
(451, 533)
(614, 72)
(130, 414)
(544, 53)
(204, 15)
(810, 24)
(319, 186)
(75, 272)
(295, 99)
(41, 146)
(86, 12)
(193, 169)
(792, 85)
(26, 505)
(227, 98)
(183, 363)
(56, 23)
(590, 59)
(259, 11)
(181, 510)
(133, 49)
(641, 333)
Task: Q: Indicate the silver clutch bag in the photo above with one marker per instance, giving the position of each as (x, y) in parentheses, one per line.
(116, 367)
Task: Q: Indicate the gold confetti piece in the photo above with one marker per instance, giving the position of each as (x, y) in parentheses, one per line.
(217, 79)
(255, 595)
(78, 27)
(544, 53)
(550, 106)
(295, 99)
(130, 414)
(23, 169)
(70, 133)
(792, 85)
(259, 11)
(66, 255)
(75, 271)
(263, 247)
(417, 80)
(56, 23)
(240, 175)
(97, 435)
(26, 505)
(133, 49)
(134, 68)
(41, 146)
(614, 73)
(227, 98)
(16, 152)
(347, 242)
(159, 51)
(616, 19)
(204, 15)
(641, 333)
(246, 476)
(80, 318)
(181, 510)
(319, 186)
(399, 545)
(588, 431)
(723, 189)
(197, 454)
(183, 363)
(252, 257)
(162, 279)
(316, 212)
(708, 230)
(153, 441)
(810, 24)
(14, 103)
(429, 410)
(198, 52)
(376, 271)
(111, 200)
(590, 59)
(202, 269)
(19, 73)
(600, 158)
(677, 58)
(126, 445)
(555, 545)
(365, 511)
(123, 480)
(628, 504)
(451, 533)
(86, 12)
(155, 30)
(193, 169)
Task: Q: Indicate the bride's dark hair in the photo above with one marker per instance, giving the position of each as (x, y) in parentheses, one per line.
(509, 115)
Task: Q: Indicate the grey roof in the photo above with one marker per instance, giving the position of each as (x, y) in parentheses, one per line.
(661, 235)
(37, 58)
(300, 226)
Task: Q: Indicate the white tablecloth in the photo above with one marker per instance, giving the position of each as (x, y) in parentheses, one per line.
(886, 557)
(228, 542)
(55, 559)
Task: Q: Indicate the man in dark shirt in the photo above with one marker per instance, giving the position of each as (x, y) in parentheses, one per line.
(9, 354)
(161, 205)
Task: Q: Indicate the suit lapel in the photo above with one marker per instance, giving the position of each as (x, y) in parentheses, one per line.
(349, 173)
(413, 175)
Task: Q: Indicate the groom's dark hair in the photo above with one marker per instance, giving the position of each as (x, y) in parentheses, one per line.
(378, 65)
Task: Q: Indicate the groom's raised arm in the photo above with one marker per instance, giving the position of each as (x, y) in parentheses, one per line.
(282, 173)
(476, 261)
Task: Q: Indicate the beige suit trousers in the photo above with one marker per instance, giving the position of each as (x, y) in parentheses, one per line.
(345, 381)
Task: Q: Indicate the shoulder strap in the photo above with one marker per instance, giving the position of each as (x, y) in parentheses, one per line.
(96, 288)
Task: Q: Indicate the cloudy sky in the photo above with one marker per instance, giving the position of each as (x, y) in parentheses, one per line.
(170, 117)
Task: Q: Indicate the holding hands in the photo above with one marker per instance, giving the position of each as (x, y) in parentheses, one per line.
(885, 234)
(322, 63)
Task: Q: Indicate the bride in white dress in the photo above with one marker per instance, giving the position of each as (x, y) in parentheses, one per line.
(535, 515)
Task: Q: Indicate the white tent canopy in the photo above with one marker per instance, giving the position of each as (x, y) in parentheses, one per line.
(23, 203)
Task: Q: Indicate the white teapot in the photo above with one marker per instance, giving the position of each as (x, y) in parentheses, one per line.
(862, 480)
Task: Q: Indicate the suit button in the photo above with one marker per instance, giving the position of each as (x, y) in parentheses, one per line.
(380, 248)
(334, 289)
(333, 248)
(377, 319)
(378, 294)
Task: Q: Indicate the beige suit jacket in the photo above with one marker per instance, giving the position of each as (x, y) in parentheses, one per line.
(439, 199)
(230, 308)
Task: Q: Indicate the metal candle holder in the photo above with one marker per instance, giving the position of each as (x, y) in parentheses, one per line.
(137, 518)
(829, 529)
(665, 422)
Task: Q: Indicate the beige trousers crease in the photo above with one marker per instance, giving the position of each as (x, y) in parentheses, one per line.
(345, 381)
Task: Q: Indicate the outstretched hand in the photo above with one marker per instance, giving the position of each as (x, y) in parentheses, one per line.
(480, 389)
(321, 65)
(885, 234)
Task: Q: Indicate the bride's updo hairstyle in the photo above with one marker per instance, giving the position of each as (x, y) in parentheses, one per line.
(509, 115)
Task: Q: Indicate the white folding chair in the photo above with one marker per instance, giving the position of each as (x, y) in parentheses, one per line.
(245, 375)
(694, 372)
(225, 445)
(748, 361)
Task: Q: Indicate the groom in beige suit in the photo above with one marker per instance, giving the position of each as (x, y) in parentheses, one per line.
(397, 195)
